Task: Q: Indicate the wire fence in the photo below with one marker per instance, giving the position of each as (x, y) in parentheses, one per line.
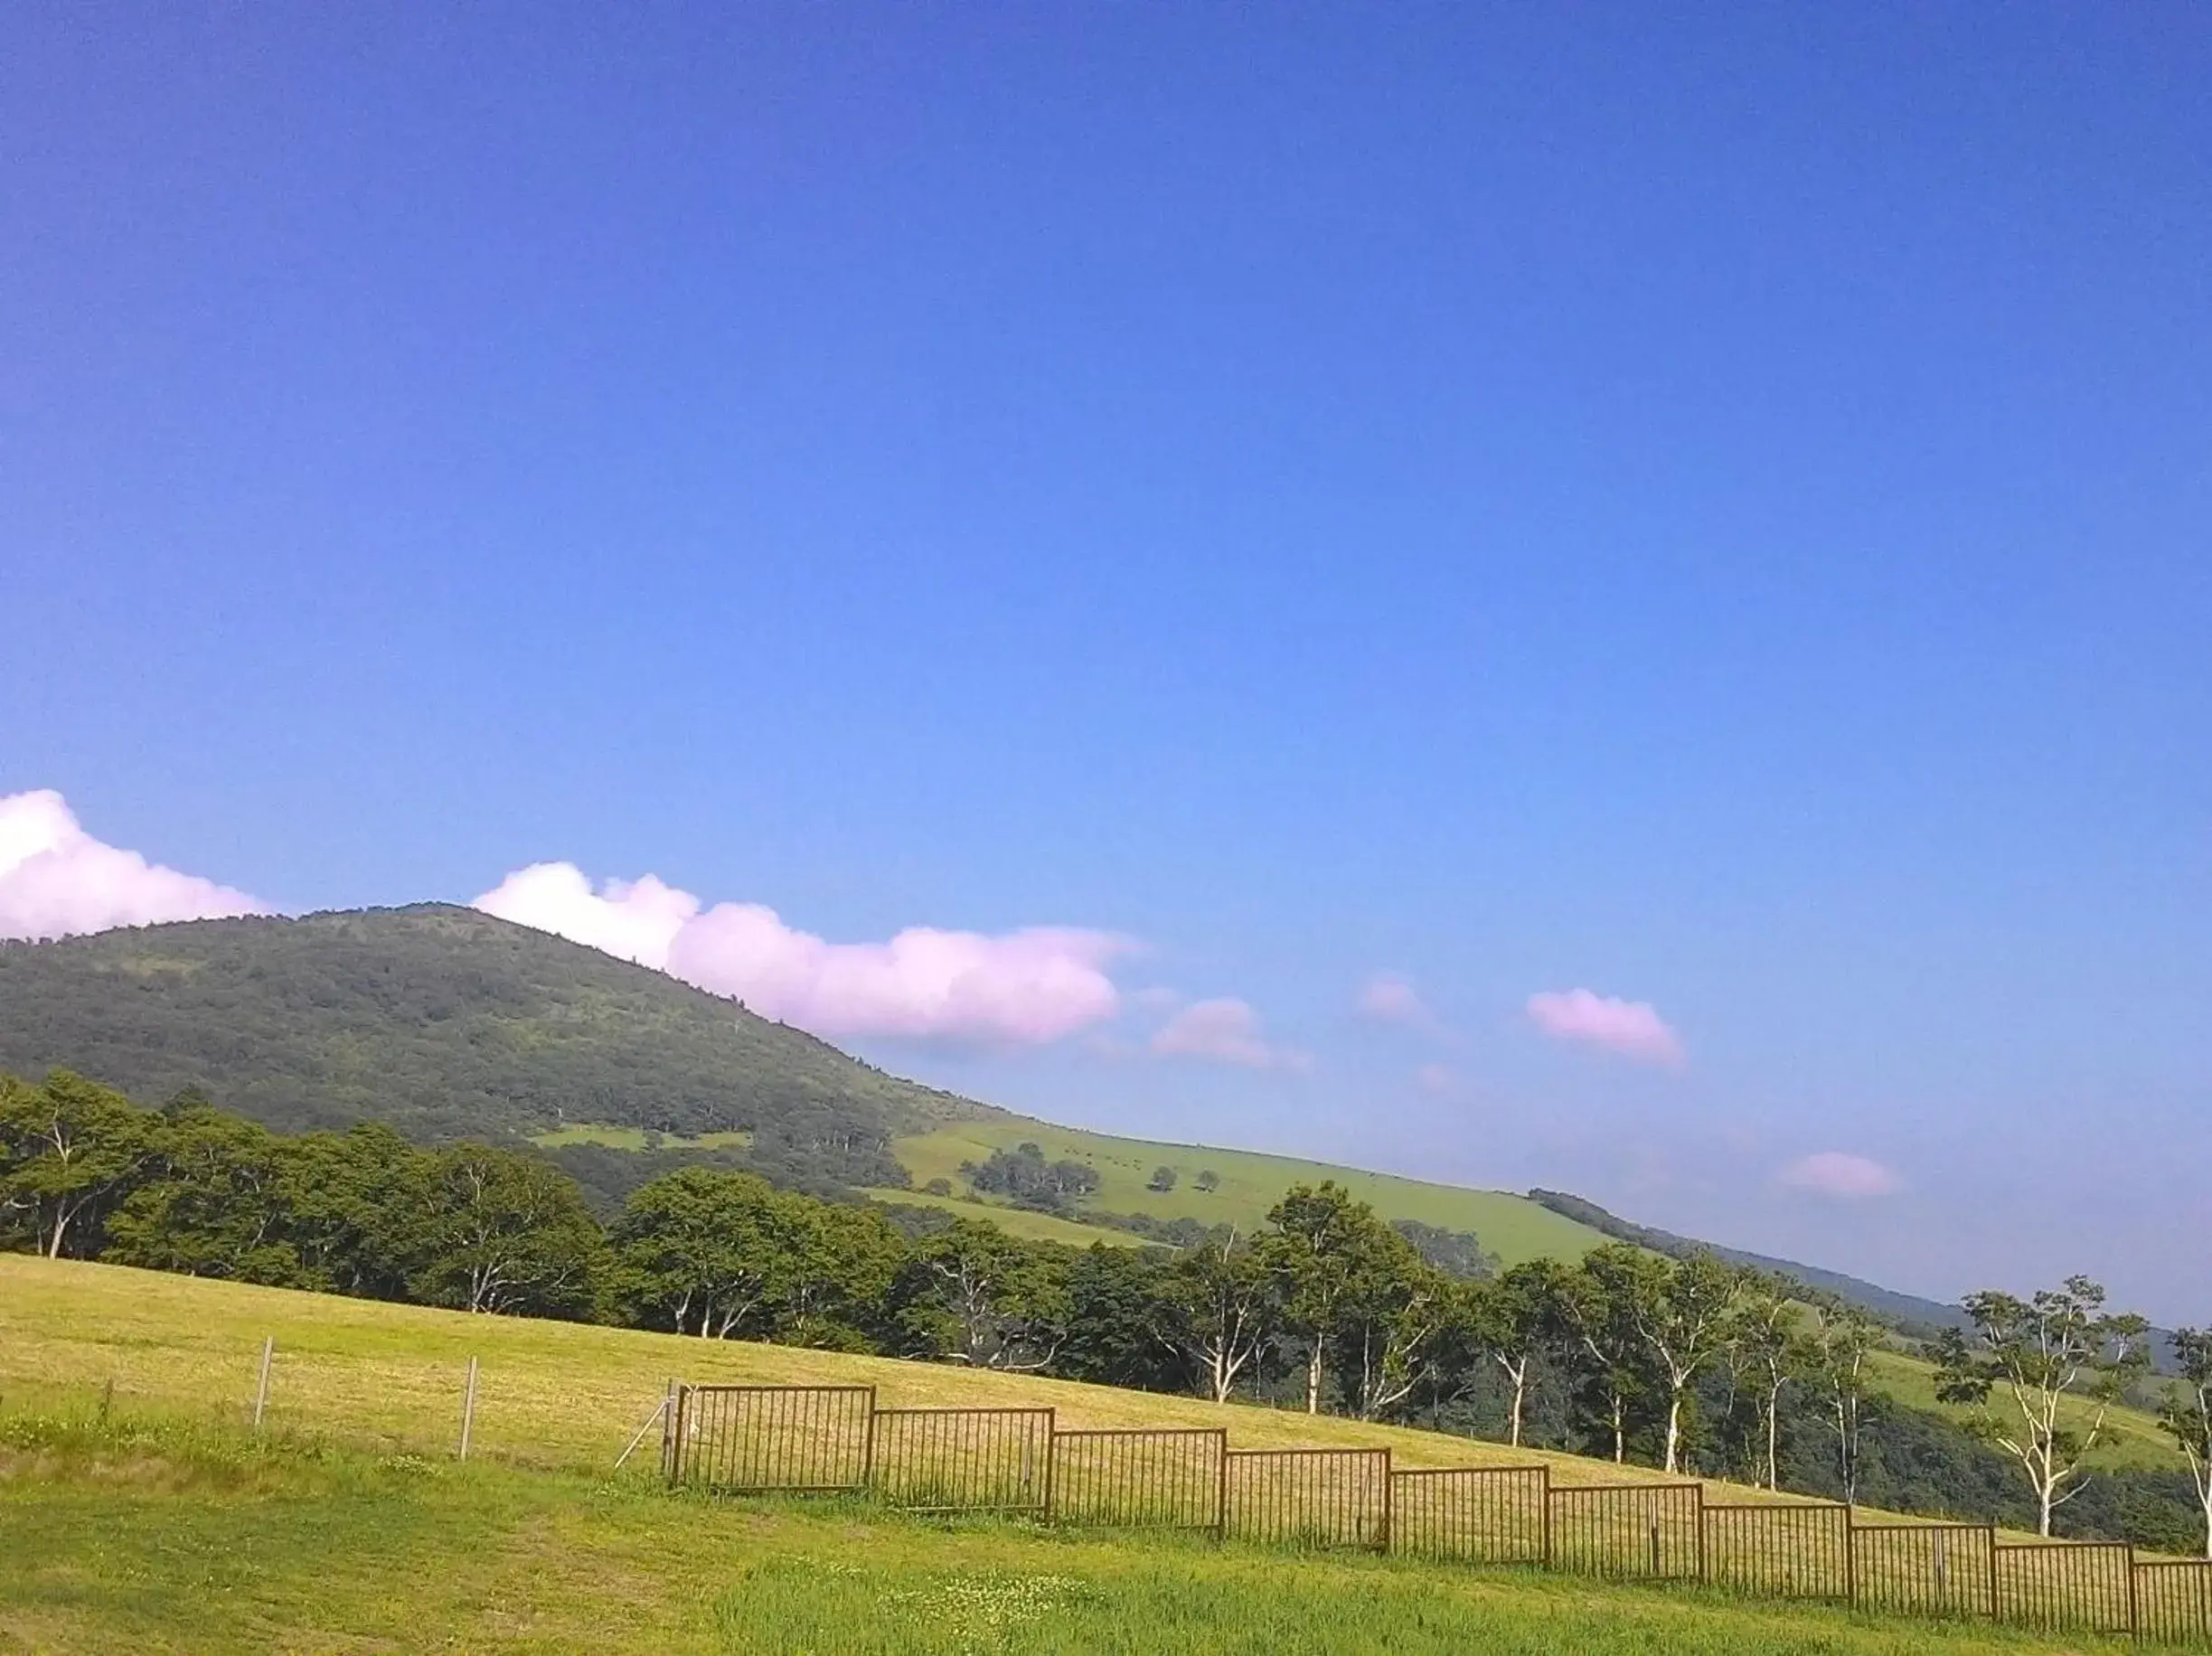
(756, 1439)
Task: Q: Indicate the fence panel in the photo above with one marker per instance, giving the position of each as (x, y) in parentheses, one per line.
(2173, 1601)
(1930, 1569)
(1309, 1497)
(743, 1438)
(1797, 1551)
(1470, 1514)
(2074, 1587)
(1644, 1530)
(1168, 1478)
(972, 1460)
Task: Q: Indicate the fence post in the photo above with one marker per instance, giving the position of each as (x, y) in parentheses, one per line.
(1850, 1552)
(260, 1391)
(675, 1453)
(1703, 1572)
(1390, 1502)
(1220, 1493)
(1544, 1495)
(468, 1408)
(668, 1421)
(1993, 1602)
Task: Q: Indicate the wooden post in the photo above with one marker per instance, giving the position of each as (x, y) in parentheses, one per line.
(1850, 1553)
(260, 1392)
(668, 1422)
(1704, 1567)
(1390, 1502)
(468, 1408)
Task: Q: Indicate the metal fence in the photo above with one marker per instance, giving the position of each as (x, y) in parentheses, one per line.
(963, 1459)
(1309, 1497)
(1652, 1531)
(1925, 1569)
(752, 1439)
(1470, 1514)
(1157, 1479)
(2173, 1601)
(1779, 1551)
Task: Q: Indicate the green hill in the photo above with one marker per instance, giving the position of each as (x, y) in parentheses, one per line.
(441, 1021)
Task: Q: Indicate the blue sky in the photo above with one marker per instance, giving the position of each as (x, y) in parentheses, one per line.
(1709, 511)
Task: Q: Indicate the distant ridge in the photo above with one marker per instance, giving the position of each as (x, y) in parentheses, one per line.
(1907, 1313)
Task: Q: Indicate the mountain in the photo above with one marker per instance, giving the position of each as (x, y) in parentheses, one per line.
(443, 1022)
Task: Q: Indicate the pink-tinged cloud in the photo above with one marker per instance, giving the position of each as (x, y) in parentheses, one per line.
(1436, 1081)
(1389, 997)
(56, 880)
(1224, 1031)
(1022, 988)
(1633, 1028)
(1836, 1172)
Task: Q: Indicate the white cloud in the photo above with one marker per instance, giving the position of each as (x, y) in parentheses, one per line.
(1838, 1173)
(1632, 1028)
(1225, 1030)
(56, 880)
(1021, 988)
(1389, 997)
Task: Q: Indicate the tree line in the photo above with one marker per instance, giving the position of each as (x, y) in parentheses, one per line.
(1688, 1364)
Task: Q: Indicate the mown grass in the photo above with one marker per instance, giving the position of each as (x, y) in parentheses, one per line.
(145, 1535)
(1512, 1226)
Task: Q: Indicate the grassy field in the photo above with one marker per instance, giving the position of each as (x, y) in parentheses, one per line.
(1015, 1221)
(1512, 1226)
(137, 1513)
(122, 1536)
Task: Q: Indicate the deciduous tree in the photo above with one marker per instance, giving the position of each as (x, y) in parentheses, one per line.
(2056, 1350)
(2186, 1414)
(1513, 1318)
(70, 1152)
(694, 1251)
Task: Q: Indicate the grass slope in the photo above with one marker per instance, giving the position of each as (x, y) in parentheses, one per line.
(439, 1020)
(142, 1542)
(1512, 1226)
(163, 1527)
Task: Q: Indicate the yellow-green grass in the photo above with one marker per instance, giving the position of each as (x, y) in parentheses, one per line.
(1512, 1226)
(1015, 1221)
(389, 1377)
(634, 1138)
(123, 1539)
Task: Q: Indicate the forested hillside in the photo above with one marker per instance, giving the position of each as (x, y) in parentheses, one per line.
(441, 1021)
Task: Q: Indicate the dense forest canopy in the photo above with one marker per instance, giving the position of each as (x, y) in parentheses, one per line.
(440, 1022)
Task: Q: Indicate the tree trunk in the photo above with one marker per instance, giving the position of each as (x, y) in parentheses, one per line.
(1674, 1429)
(1773, 1434)
(1312, 1379)
(1521, 1394)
